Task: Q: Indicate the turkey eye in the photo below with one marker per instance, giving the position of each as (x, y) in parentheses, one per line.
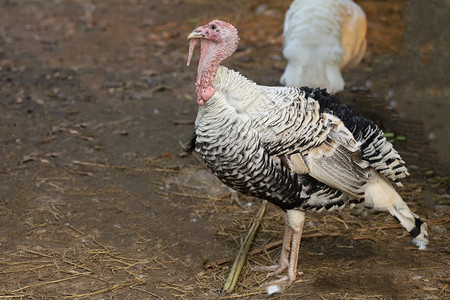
(213, 26)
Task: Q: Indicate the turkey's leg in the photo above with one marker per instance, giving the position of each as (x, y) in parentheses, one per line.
(285, 249)
(296, 220)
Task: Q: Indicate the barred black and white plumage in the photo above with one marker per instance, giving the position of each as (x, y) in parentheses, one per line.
(298, 148)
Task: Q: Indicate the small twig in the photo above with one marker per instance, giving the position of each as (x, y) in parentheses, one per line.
(37, 253)
(208, 197)
(438, 221)
(76, 265)
(78, 172)
(74, 229)
(241, 295)
(88, 164)
(442, 290)
(15, 263)
(340, 220)
(24, 270)
(392, 226)
(101, 245)
(320, 234)
(173, 287)
(364, 237)
(49, 282)
(166, 170)
(243, 252)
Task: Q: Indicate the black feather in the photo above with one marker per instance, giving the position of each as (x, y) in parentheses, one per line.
(190, 147)
(356, 123)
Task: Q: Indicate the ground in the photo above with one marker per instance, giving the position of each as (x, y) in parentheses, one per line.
(98, 201)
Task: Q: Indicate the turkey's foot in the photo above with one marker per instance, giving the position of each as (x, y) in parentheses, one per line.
(273, 270)
(284, 280)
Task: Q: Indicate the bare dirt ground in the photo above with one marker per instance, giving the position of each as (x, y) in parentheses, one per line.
(98, 202)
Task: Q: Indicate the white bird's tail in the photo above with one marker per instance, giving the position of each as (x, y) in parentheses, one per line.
(314, 70)
(380, 195)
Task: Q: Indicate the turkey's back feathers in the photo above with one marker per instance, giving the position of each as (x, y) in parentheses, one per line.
(374, 147)
(338, 146)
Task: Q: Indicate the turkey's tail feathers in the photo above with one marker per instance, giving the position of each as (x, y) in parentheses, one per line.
(380, 195)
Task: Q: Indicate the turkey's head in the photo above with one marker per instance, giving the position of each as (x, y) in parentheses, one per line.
(218, 40)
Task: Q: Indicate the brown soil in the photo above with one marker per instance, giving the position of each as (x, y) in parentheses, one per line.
(98, 202)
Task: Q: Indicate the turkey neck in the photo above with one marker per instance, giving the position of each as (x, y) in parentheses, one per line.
(210, 58)
(234, 97)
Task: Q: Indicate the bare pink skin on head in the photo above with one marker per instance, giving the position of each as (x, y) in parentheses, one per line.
(218, 40)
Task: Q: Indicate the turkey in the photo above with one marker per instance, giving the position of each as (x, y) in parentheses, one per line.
(321, 38)
(298, 148)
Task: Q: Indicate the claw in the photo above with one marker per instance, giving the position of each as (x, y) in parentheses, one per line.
(273, 270)
(284, 280)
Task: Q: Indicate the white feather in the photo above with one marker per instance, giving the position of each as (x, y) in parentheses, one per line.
(321, 38)
(273, 290)
(380, 195)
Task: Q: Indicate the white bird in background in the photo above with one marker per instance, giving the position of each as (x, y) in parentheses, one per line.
(321, 38)
(298, 148)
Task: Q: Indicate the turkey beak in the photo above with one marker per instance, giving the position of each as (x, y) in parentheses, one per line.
(194, 37)
(196, 34)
